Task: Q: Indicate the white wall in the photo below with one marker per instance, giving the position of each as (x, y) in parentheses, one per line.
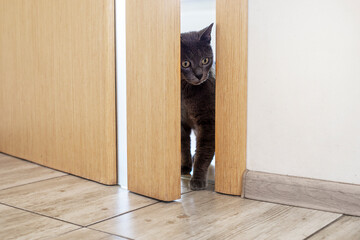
(198, 14)
(304, 88)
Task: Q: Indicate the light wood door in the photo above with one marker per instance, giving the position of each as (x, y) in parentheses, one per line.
(57, 85)
(153, 97)
(231, 94)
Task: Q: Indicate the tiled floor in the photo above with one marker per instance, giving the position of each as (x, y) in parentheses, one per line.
(40, 203)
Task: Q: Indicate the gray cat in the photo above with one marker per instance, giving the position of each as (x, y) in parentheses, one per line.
(197, 105)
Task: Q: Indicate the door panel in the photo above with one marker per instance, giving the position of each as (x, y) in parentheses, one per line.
(153, 97)
(57, 78)
(231, 95)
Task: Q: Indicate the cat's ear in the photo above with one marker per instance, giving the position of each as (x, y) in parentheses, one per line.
(205, 34)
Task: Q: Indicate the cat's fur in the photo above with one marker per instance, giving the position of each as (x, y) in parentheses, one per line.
(197, 105)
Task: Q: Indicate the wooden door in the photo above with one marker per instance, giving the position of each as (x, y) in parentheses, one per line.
(231, 94)
(153, 97)
(57, 85)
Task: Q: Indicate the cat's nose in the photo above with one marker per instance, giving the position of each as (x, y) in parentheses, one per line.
(199, 76)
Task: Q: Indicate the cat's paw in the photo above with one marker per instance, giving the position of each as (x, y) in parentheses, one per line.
(185, 170)
(198, 184)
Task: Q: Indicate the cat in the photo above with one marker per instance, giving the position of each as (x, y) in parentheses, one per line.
(197, 105)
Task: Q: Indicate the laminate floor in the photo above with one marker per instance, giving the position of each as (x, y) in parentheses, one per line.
(40, 203)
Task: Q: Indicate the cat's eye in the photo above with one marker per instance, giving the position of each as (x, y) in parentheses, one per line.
(185, 64)
(204, 61)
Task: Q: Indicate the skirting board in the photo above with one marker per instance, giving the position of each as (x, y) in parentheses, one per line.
(302, 192)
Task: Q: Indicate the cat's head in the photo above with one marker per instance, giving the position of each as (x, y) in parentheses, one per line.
(196, 56)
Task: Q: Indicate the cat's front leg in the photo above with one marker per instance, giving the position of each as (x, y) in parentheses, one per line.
(186, 161)
(205, 149)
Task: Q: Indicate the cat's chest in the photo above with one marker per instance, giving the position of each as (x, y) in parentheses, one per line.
(192, 109)
(186, 111)
(197, 102)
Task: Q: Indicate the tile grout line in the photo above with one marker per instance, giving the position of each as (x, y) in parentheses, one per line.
(35, 163)
(291, 205)
(112, 234)
(40, 214)
(24, 184)
(187, 192)
(70, 231)
(57, 170)
(54, 169)
(119, 215)
(78, 229)
(327, 225)
(129, 212)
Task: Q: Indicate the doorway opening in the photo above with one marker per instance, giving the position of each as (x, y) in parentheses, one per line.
(197, 15)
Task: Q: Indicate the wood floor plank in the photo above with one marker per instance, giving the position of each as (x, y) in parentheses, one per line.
(14, 172)
(87, 234)
(73, 199)
(208, 215)
(18, 224)
(346, 228)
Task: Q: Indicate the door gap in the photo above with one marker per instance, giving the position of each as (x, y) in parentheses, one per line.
(196, 15)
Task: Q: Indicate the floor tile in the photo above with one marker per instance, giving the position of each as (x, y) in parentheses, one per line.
(87, 234)
(14, 172)
(18, 224)
(209, 215)
(346, 228)
(185, 185)
(73, 199)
